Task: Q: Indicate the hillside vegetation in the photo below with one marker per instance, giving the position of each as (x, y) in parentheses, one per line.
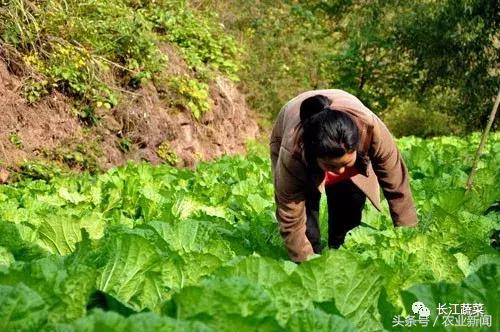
(438, 59)
(427, 67)
(93, 50)
(150, 236)
(88, 85)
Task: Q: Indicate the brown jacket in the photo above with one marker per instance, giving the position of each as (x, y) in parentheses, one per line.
(379, 162)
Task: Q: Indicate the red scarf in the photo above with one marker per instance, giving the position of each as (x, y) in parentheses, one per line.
(332, 178)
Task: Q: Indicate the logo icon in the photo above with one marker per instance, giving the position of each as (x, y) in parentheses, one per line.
(421, 309)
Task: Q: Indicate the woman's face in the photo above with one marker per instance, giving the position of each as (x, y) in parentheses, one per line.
(338, 165)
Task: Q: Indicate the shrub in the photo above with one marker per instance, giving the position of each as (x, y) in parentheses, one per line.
(193, 94)
(201, 40)
(408, 118)
(166, 153)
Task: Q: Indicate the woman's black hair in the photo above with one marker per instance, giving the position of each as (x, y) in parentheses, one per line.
(326, 133)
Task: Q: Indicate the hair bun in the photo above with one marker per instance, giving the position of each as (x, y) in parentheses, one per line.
(313, 105)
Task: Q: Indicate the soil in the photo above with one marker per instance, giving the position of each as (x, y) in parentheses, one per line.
(49, 130)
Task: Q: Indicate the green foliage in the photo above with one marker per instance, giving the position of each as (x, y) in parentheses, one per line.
(92, 50)
(39, 170)
(192, 94)
(70, 285)
(83, 156)
(30, 310)
(409, 118)
(99, 320)
(203, 43)
(73, 45)
(478, 287)
(34, 91)
(455, 44)
(285, 47)
(441, 56)
(124, 144)
(16, 140)
(200, 249)
(166, 153)
(256, 312)
(363, 59)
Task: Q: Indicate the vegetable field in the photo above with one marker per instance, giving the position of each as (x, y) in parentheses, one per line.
(143, 248)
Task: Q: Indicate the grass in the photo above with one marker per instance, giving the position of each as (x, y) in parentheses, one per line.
(95, 50)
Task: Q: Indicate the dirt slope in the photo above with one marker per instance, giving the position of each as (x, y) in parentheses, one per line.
(48, 130)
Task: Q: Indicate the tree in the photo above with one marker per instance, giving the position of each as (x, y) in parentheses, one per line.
(456, 46)
(442, 55)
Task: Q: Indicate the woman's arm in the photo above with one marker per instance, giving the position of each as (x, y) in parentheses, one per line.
(392, 175)
(289, 188)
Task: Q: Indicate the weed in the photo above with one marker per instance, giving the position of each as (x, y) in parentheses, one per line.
(16, 140)
(166, 153)
(124, 144)
(193, 94)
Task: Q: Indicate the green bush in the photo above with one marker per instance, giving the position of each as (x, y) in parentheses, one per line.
(16, 140)
(286, 46)
(408, 118)
(203, 43)
(192, 94)
(167, 154)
